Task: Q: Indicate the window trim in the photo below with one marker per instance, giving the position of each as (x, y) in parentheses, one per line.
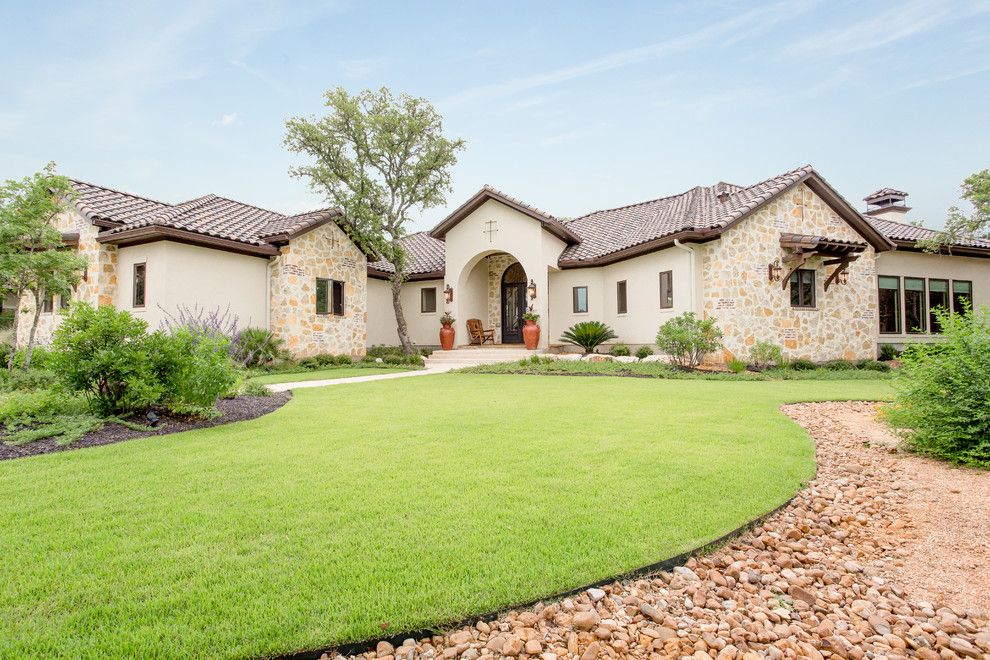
(924, 305)
(899, 307)
(144, 285)
(670, 289)
(422, 300)
(324, 281)
(334, 310)
(928, 302)
(796, 279)
(952, 294)
(621, 302)
(574, 300)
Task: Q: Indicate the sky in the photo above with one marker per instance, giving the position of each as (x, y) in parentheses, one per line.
(569, 106)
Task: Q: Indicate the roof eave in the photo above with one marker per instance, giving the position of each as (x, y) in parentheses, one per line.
(149, 234)
(439, 232)
(412, 277)
(689, 236)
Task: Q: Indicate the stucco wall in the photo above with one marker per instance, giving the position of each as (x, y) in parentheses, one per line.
(424, 328)
(324, 252)
(901, 263)
(749, 308)
(179, 275)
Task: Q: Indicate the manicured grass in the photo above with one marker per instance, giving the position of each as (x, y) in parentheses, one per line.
(325, 374)
(410, 501)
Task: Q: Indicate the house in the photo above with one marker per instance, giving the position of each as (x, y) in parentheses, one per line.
(786, 260)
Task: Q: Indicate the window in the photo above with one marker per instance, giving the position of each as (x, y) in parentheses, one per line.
(580, 295)
(329, 297)
(803, 288)
(47, 303)
(889, 304)
(63, 301)
(938, 296)
(620, 297)
(914, 304)
(961, 291)
(666, 289)
(140, 279)
(428, 300)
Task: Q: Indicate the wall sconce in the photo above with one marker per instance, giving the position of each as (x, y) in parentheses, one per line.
(843, 277)
(775, 271)
(448, 294)
(532, 290)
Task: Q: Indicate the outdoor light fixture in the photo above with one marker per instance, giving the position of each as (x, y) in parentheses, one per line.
(775, 271)
(448, 294)
(532, 290)
(843, 277)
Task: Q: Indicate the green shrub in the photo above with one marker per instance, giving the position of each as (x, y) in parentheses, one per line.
(24, 407)
(943, 390)
(346, 360)
(257, 347)
(873, 365)
(737, 366)
(32, 379)
(252, 388)
(66, 429)
(644, 351)
(589, 335)
(765, 355)
(102, 353)
(888, 352)
(686, 339)
(380, 351)
(619, 349)
(194, 367)
(802, 364)
(40, 358)
(839, 365)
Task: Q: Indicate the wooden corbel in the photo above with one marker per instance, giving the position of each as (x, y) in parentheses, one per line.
(841, 264)
(793, 261)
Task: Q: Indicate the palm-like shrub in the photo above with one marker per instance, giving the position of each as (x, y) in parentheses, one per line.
(686, 339)
(256, 347)
(589, 335)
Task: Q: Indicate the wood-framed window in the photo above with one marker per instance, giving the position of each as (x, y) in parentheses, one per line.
(621, 303)
(915, 319)
(803, 288)
(579, 298)
(47, 303)
(329, 296)
(938, 296)
(63, 301)
(889, 304)
(140, 284)
(666, 289)
(428, 300)
(962, 290)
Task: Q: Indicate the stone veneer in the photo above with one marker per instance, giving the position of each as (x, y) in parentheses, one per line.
(749, 308)
(497, 265)
(323, 252)
(98, 287)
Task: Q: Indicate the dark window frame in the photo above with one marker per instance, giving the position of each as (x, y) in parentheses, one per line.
(143, 267)
(621, 297)
(933, 326)
(952, 294)
(337, 298)
(333, 297)
(923, 314)
(667, 300)
(324, 309)
(423, 299)
(898, 307)
(574, 300)
(47, 303)
(804, 287)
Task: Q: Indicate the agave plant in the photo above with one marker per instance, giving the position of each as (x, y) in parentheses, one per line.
(589, 335)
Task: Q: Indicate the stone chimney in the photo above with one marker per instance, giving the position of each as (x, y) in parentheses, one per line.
(887, 204)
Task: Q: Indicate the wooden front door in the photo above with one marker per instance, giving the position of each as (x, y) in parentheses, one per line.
(513, 303)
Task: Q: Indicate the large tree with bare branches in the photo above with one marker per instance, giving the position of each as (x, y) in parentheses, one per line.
(380, 158)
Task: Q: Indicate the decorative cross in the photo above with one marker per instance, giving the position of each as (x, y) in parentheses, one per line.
(491, 228)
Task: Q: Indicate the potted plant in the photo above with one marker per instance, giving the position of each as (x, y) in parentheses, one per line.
(531, 329)
(446, 331)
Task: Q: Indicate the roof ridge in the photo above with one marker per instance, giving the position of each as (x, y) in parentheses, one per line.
(118, 191)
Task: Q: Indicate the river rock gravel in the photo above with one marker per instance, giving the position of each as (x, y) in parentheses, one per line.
(848, 569)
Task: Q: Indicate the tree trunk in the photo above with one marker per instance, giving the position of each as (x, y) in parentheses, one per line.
(34, 330)
(400, 319)
(13, 344)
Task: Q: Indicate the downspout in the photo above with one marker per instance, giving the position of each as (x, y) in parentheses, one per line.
(694, 275)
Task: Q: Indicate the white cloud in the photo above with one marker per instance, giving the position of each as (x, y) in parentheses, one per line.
(227, 119)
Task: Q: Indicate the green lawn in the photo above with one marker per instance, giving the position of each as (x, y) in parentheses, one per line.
(410, 501)
(325, 374)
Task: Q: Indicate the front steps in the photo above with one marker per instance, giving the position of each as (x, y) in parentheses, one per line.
(473, 355)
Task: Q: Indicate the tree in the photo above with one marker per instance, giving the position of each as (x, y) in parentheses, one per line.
(32, 261)
(959, 226)
(379, 158)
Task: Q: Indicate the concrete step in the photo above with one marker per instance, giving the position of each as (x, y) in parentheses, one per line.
(469, 356)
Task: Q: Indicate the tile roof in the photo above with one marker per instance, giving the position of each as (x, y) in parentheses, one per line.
(900, 231)
(424, 254)
(210, 215)
(551, 223)
(884, 192)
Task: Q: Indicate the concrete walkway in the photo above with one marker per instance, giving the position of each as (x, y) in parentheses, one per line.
(433, 369)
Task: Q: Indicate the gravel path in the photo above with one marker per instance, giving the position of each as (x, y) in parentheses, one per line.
(874, 559)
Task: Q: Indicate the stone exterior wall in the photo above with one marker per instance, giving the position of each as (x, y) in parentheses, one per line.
(323, 252)
(749, 308)
(98, 286)
(497, 264)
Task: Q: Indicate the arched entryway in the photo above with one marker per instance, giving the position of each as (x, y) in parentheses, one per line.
(513, 303)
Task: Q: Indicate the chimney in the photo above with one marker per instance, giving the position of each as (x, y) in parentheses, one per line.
(887, 204)
(723, 197)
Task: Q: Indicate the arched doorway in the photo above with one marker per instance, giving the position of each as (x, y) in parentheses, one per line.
(513, 303)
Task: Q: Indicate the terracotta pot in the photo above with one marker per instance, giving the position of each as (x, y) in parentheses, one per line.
(446, 337)
(531, 335)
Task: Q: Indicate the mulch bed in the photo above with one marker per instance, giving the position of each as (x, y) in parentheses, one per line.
(233, 410)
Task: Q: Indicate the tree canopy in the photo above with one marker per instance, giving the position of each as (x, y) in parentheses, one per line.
(958, 225)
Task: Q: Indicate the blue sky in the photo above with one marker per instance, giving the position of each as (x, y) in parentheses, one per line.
(570, 106)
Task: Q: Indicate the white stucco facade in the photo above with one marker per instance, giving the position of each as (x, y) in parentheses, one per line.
(423, 327)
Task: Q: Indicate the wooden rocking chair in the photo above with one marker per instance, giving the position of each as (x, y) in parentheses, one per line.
(478, 334)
